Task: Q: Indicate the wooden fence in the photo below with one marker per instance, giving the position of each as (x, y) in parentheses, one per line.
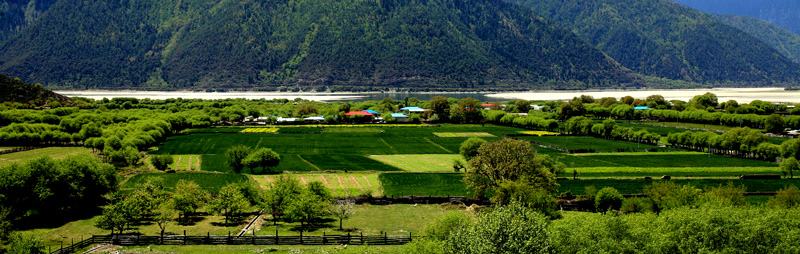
(135, 240)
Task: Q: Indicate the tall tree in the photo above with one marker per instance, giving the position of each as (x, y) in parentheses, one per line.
(440, 106)
(188, 197)
(236, 156)
(231, 202)
(508, 160)
(262, 157)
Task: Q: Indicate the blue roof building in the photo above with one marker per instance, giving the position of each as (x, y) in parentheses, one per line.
(372, 111)
(399, 115)
(641, 107)
(411, 108)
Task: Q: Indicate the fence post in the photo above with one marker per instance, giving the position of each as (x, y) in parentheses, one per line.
(362, 237)
(276, 235)
(301, 236)
(254, 236)
(208, 237)
(185, 240)
(348, 237)
(409, 236)
(385, 238)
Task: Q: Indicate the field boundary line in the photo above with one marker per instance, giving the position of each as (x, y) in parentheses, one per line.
(353, 178)
(440, 146)
(390, 146)
(309, 163)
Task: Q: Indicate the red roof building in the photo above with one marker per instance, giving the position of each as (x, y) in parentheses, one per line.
(363, 113)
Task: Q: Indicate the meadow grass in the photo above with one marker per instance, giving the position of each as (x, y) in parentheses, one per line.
(397, 219)
(423, 184)
(250, 249)
(635, 186)
(75, 230)
(51, 152)
(342, 185)
(420, 162)
(210, 182)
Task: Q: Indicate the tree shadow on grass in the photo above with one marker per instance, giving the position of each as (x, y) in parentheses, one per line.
(192, 219)
(316, 225)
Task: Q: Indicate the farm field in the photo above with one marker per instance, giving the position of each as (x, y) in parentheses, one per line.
(211, 182)
(342, 149)
(342, 185)
(463, 134)
(51, 152)
(420, 162)
(657, 172)
(423, 184)
(675, 160)
(592, 143)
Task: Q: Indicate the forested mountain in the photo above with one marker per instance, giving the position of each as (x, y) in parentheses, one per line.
(342, 44)
(784, 13)
(15, 90)
(665, 39)
(786, 42)
(15, 15)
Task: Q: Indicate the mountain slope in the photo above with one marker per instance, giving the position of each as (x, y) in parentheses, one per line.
(16, 15)
(783, 13)
(343, 44)
(782, 40)
(14, 90)
(664, 39)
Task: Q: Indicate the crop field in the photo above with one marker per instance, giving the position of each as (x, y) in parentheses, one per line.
(259, 130)
(342, 185)
(423, 184)
(211, 182)
(634, 186)
(676, 160)
(420, 162)
(592, 143)
(656, 172)
(343, 149)
(463, 134)
(540, 133)
(184, 162)
(51, 152)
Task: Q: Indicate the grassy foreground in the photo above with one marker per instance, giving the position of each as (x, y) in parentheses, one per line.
(52, 152)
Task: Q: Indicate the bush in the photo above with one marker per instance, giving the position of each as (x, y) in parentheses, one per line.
(788, 197)
(441, 229)
(608, 199)
(506, 229)
(469, 148)
(161, 162)
(635, 205)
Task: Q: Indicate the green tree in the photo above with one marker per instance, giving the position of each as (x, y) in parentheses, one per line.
(161, 161)
(307, 208)
(774, 124)
(788, 198)
(440, 106)
(236, 156)
(668, 195)
(25, 245)
(163, 216)
(188, 197)
(522, 106)
(469, 148)
(262, 157)
(508, 160)
(789, 166)
(526, 195)
(306, 109)
(280, 195)
(572, 108)
(506, 229)
(607, 199)
(231, 202)
(342, 210)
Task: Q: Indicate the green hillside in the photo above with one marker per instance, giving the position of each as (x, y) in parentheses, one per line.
(342, 45)
(15, 90)
(782, 40)
(665, 39)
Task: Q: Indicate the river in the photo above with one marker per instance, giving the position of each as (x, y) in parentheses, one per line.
(742, 95)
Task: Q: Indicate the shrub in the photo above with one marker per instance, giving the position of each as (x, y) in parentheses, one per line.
(608, 198)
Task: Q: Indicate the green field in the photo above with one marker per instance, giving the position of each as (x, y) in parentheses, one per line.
(634, 186)
(342, 185)
(333, 149)
(211, 182)
(420, 162)
(675, 160)
(592, 143)
(51, 152)
(423, 184)
(716, 172)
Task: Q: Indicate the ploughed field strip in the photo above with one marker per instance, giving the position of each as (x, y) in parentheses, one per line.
(540, 133)
(259, 130)
(420, 162)
(463, 134)
(342, 185)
